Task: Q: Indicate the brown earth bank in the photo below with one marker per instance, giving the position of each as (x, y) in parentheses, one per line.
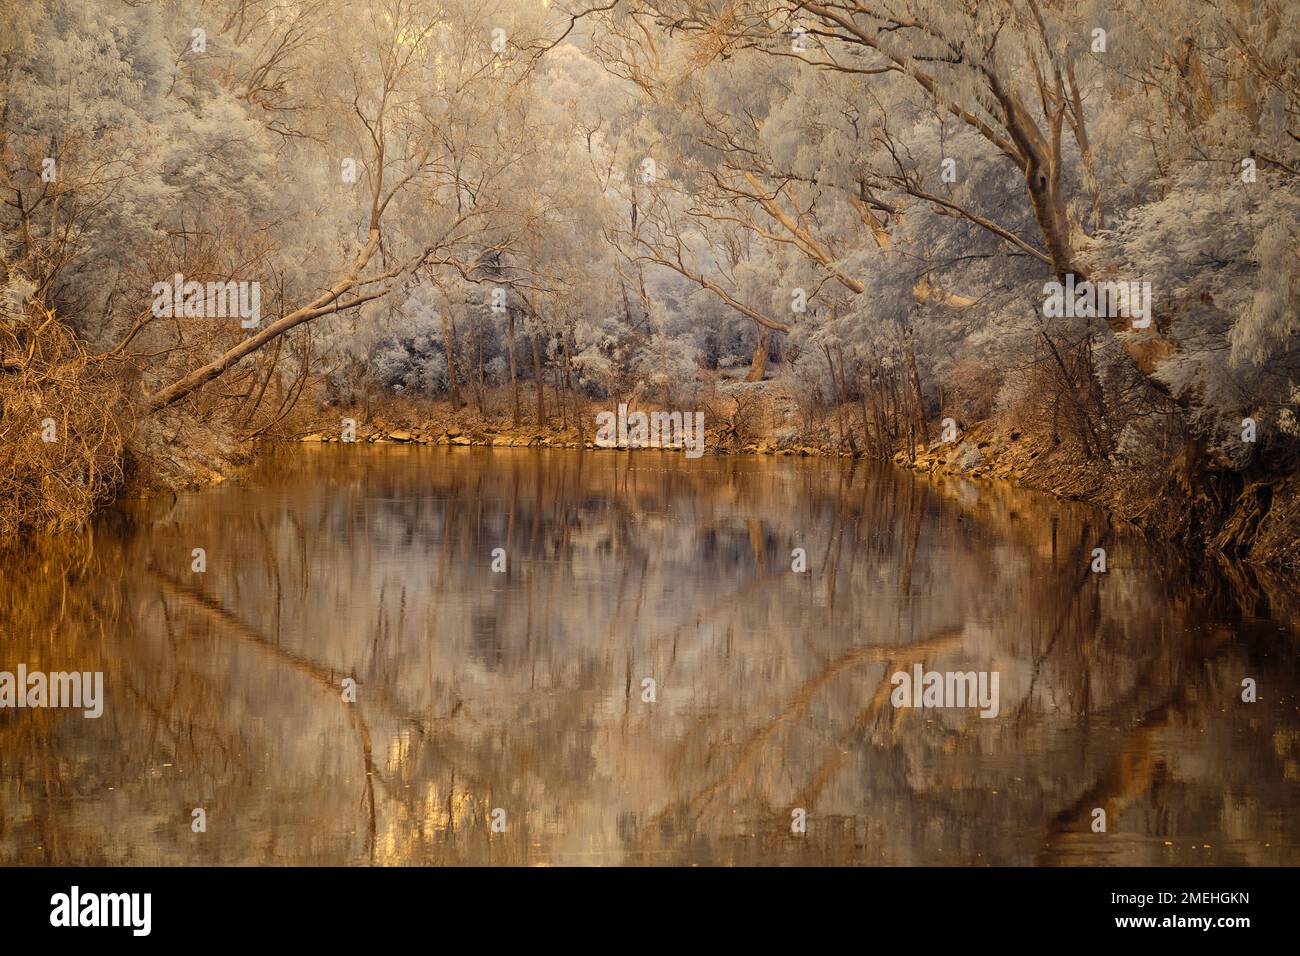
(1256, 520)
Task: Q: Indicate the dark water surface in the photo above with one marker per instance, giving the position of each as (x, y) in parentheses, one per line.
(524, 690)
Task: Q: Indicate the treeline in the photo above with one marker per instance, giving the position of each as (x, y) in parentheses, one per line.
(859, 208)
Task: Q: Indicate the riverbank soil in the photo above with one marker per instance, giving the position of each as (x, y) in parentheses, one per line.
(1257, 521)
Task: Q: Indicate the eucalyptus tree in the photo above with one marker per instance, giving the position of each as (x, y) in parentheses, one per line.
(1085, 140)
(421, 83)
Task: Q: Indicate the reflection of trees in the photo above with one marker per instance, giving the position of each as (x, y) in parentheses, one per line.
(522, 690)
(228, 623)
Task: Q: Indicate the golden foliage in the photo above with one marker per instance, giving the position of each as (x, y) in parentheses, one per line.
(63, 415)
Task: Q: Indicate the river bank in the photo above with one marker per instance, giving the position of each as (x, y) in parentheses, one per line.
(1256, 521)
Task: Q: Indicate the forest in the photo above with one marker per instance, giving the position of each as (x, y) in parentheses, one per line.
(834, 228)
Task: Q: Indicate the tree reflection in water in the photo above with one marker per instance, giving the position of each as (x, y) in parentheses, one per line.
(522, 690)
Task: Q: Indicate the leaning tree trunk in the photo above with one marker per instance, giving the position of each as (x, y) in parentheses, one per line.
(327, 303)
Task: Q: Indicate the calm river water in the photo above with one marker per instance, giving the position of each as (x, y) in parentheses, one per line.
(524, 696)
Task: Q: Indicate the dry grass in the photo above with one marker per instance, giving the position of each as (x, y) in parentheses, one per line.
(51, 389)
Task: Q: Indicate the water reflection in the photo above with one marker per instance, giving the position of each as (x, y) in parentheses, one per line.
(523, 690)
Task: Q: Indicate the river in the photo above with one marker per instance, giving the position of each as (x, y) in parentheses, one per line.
(648, 680)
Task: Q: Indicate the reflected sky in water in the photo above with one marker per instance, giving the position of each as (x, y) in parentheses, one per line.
(523, 690)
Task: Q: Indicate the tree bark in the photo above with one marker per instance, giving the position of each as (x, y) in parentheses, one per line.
(514, 366)
(758, 367)
(478, 349)
(324, 304)
(568, 378)
(537, 375)
(916, 388)
(449, 343)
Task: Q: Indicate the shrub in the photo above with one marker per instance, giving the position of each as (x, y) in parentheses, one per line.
(62, 415)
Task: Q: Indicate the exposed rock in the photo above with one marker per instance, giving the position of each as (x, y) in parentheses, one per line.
(967, 456)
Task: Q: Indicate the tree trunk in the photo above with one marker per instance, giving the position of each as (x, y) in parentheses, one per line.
(758, 367)
(514, 366)
(568, 378)
(326, 303)
(916, 389)
(844, 398)
(835, 392)
(537, 375)
(478, 348)
(449, 341)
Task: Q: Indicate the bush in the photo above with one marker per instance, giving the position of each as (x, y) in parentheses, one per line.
(972, 390)
(61, 419)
